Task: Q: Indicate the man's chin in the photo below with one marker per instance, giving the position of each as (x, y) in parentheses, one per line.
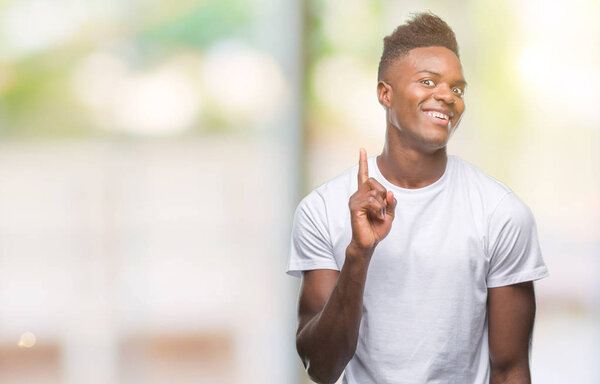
(432, 145)
(439, 138)
(436, 143)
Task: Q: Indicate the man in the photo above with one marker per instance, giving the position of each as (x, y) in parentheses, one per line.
(416, 266)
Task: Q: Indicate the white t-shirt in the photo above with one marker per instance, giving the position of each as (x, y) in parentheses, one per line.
(424, 308)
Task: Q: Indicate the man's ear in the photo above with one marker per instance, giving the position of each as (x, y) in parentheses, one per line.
(384, 94)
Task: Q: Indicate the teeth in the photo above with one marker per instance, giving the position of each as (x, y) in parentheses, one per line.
(437, 114)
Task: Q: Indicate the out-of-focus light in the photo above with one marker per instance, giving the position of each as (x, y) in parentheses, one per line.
(546, 79)
(27, 340)
(163, 101)
(347, 87)
(28, 26)
(559, 68)
(246, 84)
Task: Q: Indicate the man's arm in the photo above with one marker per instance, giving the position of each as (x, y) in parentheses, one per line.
(329, 314)
(511, 313)
(331, 302)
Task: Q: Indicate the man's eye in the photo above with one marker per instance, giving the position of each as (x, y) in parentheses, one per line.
(458, 91)
(428, 82)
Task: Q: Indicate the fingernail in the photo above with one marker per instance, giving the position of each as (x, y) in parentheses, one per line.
(382, 213)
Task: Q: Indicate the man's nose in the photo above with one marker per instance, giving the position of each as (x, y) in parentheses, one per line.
(444, 94)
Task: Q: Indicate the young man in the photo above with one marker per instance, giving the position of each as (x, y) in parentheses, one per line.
(416, 266)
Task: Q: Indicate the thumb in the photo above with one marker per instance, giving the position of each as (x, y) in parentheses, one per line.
(391, 203)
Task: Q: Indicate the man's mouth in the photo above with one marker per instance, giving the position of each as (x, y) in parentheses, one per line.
(438, 115)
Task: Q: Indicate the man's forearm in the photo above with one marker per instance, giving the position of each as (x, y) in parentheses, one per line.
(328, 341)
(516, 374)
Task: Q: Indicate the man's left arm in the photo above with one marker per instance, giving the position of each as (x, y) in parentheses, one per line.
(511, 313)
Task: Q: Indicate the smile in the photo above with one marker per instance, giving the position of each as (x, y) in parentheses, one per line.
(437, 115)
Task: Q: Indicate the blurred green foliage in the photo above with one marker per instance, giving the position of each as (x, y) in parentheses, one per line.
(36, 91)
(200, 25)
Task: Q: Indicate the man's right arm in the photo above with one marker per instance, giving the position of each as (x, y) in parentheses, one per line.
(329, 314)
(331, 302)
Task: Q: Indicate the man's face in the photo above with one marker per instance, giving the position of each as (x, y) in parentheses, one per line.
(423, 95)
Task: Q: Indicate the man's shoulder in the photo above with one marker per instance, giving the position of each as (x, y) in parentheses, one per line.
(475, 179)
(330, 199)
(338, 187)
(482, 190)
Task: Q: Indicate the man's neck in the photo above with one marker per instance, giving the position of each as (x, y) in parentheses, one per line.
(410, 168)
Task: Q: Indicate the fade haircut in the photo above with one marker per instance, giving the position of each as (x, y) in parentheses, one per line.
(421, 30)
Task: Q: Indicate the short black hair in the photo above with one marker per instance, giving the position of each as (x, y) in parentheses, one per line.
(421, 30)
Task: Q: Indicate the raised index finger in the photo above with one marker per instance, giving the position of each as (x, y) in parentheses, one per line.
(363, 168)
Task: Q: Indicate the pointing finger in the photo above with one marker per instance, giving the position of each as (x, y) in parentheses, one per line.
(363, 168)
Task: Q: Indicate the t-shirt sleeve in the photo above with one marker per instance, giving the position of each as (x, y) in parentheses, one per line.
(513, 246)
(310, 244)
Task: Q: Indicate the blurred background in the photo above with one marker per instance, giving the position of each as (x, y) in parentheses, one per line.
(152, 153)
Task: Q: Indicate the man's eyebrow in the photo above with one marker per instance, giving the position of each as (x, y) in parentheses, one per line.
(457, 82)
(430, 72)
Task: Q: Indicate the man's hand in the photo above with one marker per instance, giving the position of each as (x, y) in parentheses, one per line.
(371, 209)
